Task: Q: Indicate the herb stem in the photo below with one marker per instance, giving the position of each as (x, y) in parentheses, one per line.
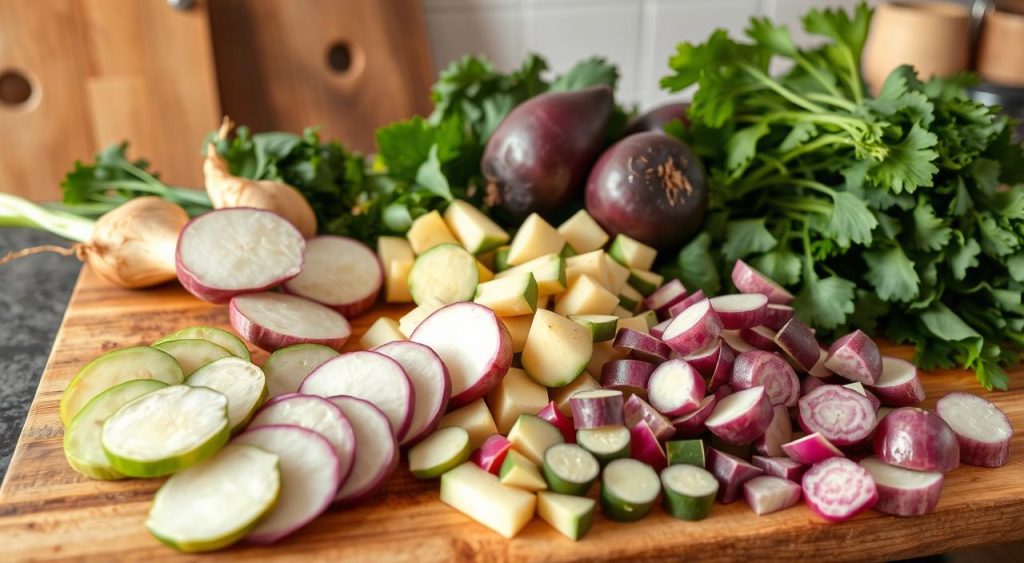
(780, 89)
(17, 211)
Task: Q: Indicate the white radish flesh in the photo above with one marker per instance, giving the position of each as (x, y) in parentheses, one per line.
(916, 439)
(735, 341)
(760, 337)
(843, 416)
(749, 280)
(724, 366)
(902, 492)
(339, 272)
(693, 329)
(430, 382)
(692, 425)
(758, 367)
(776, 316)
(742, 416)
(241, 382)
(819, 370)
(766, 494)
(675, 388)
(704, 360)
(287, 367)
(838, 489)
(811, 449)
(899, 384)
(376, 449)
(274, 320)
(645, 446)
(982, 429)
(684, 304)
(665, 297)
(740, 310)
(855, 357)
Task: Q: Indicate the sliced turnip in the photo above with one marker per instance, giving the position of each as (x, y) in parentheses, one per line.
(599, 407)
(371, 376)
(899, 384)
(641, 346)
(376, 453)
(664, 297)
(776, 316)
(760, 337)
(735, 341)
(724, 365)
(645, 446)
(675, 388)
(477, 358)
(430, 383)
(658, 330)
(742, 416)
(982, 429)
(784, 467)
(856, 357)
(838, 489)
(766, 494)
(916, 439)
(843, 416)
(229, 252)
(684, 304)
(287, 367)
(636, 409)
(309, 477)
(740, 310)
(760, 368)
(491, 454)
(902, 492)
(563, 395)
(779, 432)
(730, 472)
(692, 425)
(749, 280)
(274, 320)
(797, 341)
(693, 329)
(704, 360)
(811, 449)
(552, 415)
(339, 272)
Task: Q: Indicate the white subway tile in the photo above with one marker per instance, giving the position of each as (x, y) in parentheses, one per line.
(493, 29)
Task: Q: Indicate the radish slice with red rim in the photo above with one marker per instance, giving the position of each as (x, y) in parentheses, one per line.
(339, 272)
(916, 439)
(780, 467)
(779, 432)
(704, 360)
(636, 409)
(684, 304)
(819, 370)
(628, 376)
(645, 446)
(902, 492)
(811, 449)
(749, 280)
(810, 384)
(692, 425)
(664, 297)
(735, 341)
(766, 494)
(740, 310)
(982, 429)
(742, 416)
(776, 316)
(859, 387)
(797, 341)
(430, 382)
(597, 407)
(843, 416)
(274, 320)
(856, 357)
(731, 472)
(693, 329)
(675, 388)
(899, 385)
(551, 414)
(641, 346)
(724, 365)
(491, 454)
(760, 337)
(758, 367)
(658, 330)
(376, 453)
(838, 489)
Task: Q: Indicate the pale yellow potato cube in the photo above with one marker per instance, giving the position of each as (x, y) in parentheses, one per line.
(583, 232)
(534, 238)
(586, 297)
(475, 418)
(515, 395)
(428, 231)
(481, 496)
(382, 331)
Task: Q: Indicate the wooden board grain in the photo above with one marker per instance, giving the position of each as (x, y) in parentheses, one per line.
(47, 511)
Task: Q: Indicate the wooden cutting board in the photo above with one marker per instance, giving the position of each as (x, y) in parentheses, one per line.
(48, 511)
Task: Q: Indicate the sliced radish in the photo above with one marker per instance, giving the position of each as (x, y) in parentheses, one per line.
(477, 358)
(682, 305)
(309, 477)
(735, 341)
(704, 360)
(779, 432)
(229, 252)
(982, 429)
(731, 472)
(776, 316)
(629, 376)
(563, 395)
(798, 342)
(430, 383)
(692, 425)
(645, 446)
(811, 449)
(636, 409)
(600, 407)
(740, 310)
(724, 365)
(843, 416)
(675, 388)
(760, 337)
(491, 454)
(641, 346)
(780, 467)
(552, 415)
(916, 439)
(287, 367)
(316, 414)
(376, 453)
(693, 329)
(819, 370)
(723, 392)
(664, 297)
(856, 357)
(766, 494)
(658, 330)
(341, 273)
(440, 451)
(760, 368)
(838, 489)
(899, 384)
(274, 320)
(902, 492)
(859, 387)
(749, 280)
(742, 416)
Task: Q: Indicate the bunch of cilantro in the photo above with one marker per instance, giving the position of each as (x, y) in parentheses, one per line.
(900, 212)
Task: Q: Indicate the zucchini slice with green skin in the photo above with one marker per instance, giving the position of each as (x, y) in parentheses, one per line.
(606, 443)
(444, 274)
(220, 337)
(242, 382)
(570, 469)
(602, 327)
(82, 437)
(114, 368)
(685, 452)
(572, 516)
(689, 491)
(243, 482)
(440, 451)
(628, 490)
(193, 353)
(166, 431)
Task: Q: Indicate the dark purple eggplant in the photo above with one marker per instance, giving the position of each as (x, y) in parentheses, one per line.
(654, 119)
(538, 158)
(651, 187)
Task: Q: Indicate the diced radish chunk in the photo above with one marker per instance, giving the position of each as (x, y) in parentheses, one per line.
(749, 280)
(916, 439)
(902, 492)
(629, 376)
(780, 467)
(644, 446)
(811, 449)
(797, 341)
(658, 330)
(491, 454)
(563, 395)
(760, 337)
(274, 320)
(982, 429)
(478, 358)
(675, 388)
(776, 316)
(341, 273)
(859, 387)
(556, 418)
(664, 297)
(736, 341)
(684, 304)
(819, 370)
(731, 472)
(742, 416)
(899, 384)
(810, 384)
(766, 494)
(760, 368)
(479, 495)
(636, 409)
(599, 407)
(704, 360)
(724, 365)
(430, 384)
(376, 449)
(838, 489)
(740, 310)
(856, 357)
(843, 416)
(693, 329)
(641, 346)
(779, 432)
(692, 425)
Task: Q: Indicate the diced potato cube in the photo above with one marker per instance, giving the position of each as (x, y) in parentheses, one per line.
(474, 230)
(593, 264)
(518, 327)
(475, 418)
(509, 296)
(638, 323)
(481, 496)
(557, 349)
(603, 353)
(617, 274)
(534, 238)
(548, 270)
(632, 253)
(583, 232)
(382, 331)
(396, 289)
(483, 273)
(586, 297)
(391, 249)
(518, 471)
(428, 231)
(515, 395)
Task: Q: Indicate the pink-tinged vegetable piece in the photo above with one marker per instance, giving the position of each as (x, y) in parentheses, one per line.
(724, 365)
(636, 409)
(491, 454)
(742, 416)
(376, 449)
(779, 432)
(760, 337)
(693, 329)
(760, 368)
(665, 297)
(916, 439)
(370, 376)
(819, 370)
(684, 304)
(811, 449)
(810, 384)
(749, 280)
(838, 489)
(859, 387)
(339, 272)
(740, 310)
(477, 358)
(899, 385)
(692, 425)
(644, 446)
(735, 341)
(628, 376)
(641, 346)
(797, 341)
(766, 494)
(780, 467)
(597, 407)
(730, 472)
(856, 357)
(229, 252)
(309, 477)
(776, 316)
(843, 416)
(430, 382)
(902, 492)
(274, 320)
(723, 392)
(564, 424)
(704, 360)
(658, 330)
(675, 388)
(982, 429)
